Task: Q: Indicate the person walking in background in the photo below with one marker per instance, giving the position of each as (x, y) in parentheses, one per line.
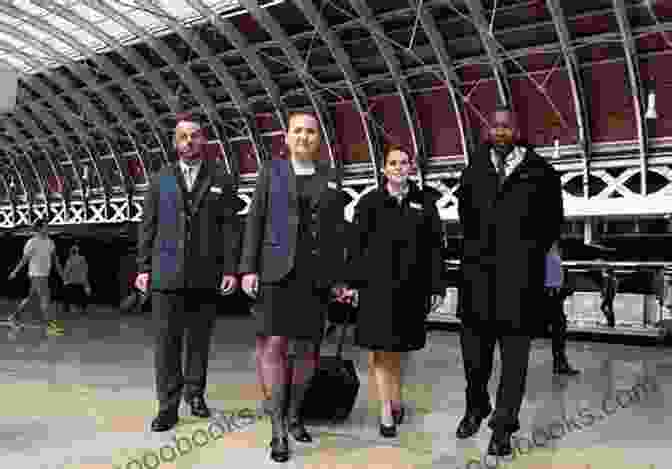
(39, 253)
(292, 263)
(77, 289)
(510, 209)
(188, 245)
(396, 267)
(608, 289)
(556, 294)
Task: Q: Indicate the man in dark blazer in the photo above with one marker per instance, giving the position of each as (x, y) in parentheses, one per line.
(510, 209)
(189, 245)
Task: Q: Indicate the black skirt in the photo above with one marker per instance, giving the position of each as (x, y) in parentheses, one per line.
(292, 308)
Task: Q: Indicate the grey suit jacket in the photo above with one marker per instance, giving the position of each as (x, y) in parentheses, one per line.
(260, 248)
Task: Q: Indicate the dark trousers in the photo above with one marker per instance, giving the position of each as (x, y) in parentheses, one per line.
(179, 316)
(556, 307)
(478, 349)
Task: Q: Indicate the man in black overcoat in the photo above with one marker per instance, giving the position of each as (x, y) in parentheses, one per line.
(510, 209)
(189, 244)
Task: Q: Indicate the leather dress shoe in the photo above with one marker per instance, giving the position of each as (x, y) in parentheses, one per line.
(388, 431)
(500, 444)
(164, 421)
(469, 426)
(280, 449)
(564, 368)
(198, 407)
(299, 432)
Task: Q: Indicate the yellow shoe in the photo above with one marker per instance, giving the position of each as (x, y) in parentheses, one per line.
(54, 328)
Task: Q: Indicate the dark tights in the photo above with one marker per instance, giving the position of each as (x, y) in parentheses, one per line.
(272, 363)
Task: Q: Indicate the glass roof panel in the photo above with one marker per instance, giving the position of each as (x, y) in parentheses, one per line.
(88, 13)
(144, 13)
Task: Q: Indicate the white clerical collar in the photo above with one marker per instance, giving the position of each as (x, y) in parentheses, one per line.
(303, 169)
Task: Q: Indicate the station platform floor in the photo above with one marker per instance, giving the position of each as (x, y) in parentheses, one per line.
(85, 401)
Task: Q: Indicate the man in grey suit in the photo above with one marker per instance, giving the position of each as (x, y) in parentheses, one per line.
(189, 245)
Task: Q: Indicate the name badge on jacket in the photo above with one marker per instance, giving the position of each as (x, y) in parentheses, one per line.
(216, 190)
(415, 206)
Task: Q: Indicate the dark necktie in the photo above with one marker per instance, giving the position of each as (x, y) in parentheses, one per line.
(501, 169)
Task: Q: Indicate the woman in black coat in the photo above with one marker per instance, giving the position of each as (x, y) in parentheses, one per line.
(396, 265)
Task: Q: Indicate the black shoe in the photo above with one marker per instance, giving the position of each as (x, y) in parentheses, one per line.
(500, 444)
(198, 407)
(399, 415)
(469, 426)
(299, 432)
(562, 367)
(388, 431)
(280, 449)
(164, 421)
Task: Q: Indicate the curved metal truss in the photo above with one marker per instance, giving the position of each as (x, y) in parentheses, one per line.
(100, 81)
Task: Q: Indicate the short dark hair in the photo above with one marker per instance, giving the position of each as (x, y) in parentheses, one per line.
(389, 148)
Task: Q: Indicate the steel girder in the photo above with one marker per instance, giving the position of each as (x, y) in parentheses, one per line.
(452, 80)
(228, 81)
(86, 77)
(393, 65)
(349, 73)
(576, 83)
(130, 55)
(16, 134)
(490, 46)
(229, 31)
(280, 36)
(634, 75)
(187, 77)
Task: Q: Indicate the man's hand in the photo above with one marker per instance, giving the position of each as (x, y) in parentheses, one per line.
(142, 282)
(12, 275)
(87, 290)
(229, 284)
(251, 285)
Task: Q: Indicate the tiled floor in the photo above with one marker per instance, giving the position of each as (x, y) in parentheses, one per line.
(85, 400)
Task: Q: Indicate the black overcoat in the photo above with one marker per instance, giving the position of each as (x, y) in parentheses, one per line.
(396, 264)
(188, 240)
(507, 232)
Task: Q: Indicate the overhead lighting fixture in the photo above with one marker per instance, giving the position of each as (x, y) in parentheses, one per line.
(651, 107)
(556, 152)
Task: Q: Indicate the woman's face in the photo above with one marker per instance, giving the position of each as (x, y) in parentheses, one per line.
(397, 167)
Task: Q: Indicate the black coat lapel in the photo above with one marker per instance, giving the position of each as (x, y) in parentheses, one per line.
(202, 184)
(181, 186)
(291, 187)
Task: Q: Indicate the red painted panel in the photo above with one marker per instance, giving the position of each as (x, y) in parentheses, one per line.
(437, 118)
(55, 184)
(391, 119)
(611, 105)
(657, 70)
(276, 145)
(213, 151)
(662, 9)
(592, 24)
(350, 137)
(540, 61)
(542, 118)
(267, 122)
(134, 166)
(653, 42)
(482, 100)
(247, 159)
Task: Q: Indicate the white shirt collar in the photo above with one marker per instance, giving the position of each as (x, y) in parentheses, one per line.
(303, 170)
(512, 160)
(185, 167)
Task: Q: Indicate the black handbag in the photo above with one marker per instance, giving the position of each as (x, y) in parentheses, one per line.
(333, 390)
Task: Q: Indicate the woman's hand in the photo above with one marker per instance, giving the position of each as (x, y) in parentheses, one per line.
(250, 285)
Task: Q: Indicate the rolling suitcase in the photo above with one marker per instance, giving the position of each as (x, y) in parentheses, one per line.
(333, 390)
